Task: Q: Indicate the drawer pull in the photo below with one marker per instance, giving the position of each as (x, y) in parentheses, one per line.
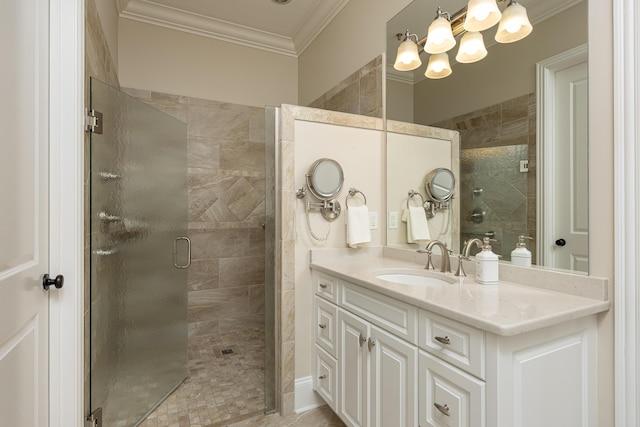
(362, 340)
(322, 325)
(442, 408)
(443, 340)
(371, 344)
(322, 377)
(323, 285)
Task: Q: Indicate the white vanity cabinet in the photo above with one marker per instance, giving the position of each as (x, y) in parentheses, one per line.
(378, 375)
(384, 362)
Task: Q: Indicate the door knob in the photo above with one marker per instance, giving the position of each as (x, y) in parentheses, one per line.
(57, 282)
(561, 242)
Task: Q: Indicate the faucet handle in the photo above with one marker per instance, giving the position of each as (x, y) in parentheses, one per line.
(460, 271)
(429, 265)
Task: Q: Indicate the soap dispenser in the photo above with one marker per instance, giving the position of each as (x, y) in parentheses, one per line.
(487, 264)
(521, 255)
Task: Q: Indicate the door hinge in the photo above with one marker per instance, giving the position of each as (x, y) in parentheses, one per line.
(93, 121)
(94, 419)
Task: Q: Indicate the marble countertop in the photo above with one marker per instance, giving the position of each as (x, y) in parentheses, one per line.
(504, 309)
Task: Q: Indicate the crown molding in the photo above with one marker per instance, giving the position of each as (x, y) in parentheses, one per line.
(317, 21)
(177, 19)
(400, 76)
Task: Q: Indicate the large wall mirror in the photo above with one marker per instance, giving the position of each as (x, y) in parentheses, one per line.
(522, 116)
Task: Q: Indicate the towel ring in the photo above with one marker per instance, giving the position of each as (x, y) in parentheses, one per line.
(352, 193)
(415, 193)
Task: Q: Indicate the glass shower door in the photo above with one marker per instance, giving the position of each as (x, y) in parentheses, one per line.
(139, 256)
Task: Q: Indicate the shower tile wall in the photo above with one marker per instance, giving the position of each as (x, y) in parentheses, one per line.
(493, 140)
(360, 93)
(226, 211)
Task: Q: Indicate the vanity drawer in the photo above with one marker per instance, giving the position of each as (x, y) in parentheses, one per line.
(325, 379)
(390, 314)
(326, 325)
(448, 396)
(327, 287)
(458, 344)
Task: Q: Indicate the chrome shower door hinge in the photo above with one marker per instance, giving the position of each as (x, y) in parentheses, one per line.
(94, 419)
(93, 121)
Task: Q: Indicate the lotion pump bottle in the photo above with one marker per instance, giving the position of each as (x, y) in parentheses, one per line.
(487, 264)
(521, 255)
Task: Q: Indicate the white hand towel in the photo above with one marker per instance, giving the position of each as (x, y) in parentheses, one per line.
(417, 226)
(358, 226)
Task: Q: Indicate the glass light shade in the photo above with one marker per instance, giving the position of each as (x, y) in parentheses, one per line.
(514, 25)
(471, 48)
(438, 66)
(481, 14)
(407, 58)
(439, 36)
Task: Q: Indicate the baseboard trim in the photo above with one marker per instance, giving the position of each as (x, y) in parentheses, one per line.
(305, 398)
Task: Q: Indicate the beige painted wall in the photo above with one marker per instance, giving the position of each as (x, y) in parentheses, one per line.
(354, 37)
(350, 147)
(601, 190)
(507, 72)
(164, 60)
(108, 13)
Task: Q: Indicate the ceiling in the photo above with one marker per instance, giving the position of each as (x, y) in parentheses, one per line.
(286, 29)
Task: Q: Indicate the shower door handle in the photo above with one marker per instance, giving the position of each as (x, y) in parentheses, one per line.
(175, 252)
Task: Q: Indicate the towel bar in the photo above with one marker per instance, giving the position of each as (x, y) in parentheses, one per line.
(352, 193)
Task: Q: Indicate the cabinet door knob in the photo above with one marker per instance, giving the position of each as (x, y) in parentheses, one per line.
(371, 344)
(322, 377)
(323, 285)
(362, 340)
(322, 325)
(442, 408)
(444, 340)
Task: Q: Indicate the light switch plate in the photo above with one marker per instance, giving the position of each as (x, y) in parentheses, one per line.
(393, 220)
(373, 220)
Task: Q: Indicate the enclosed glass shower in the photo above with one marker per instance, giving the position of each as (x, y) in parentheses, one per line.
(151, 334)
(139, 256)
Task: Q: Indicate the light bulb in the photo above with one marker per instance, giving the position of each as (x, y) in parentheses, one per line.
(513, 26)
(481, 14)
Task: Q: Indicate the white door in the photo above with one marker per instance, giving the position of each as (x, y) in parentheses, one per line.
(562, 92)
(394, 387)
(571, 225)
(353, 369)
(24, 213)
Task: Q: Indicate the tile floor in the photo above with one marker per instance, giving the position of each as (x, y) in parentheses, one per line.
(221, 388)
(228, 390)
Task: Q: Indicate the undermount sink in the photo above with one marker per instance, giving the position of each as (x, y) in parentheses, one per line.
(414, 278)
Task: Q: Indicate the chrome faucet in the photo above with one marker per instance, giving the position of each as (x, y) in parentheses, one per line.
(464, 256)
(446, 263)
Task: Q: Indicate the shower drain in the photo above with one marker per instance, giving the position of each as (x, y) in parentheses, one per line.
(226, 351)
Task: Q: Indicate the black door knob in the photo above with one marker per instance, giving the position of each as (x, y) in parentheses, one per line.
(57, 282)
(561, 242)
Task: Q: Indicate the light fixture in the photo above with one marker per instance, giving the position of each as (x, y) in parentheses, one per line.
(481, 15)
(439, 35)
(477, 16)
(514, 25)
(407, 58)
(438, 66)
(471, 48)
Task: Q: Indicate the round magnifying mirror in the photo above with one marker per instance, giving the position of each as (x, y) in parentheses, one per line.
(440, 185)
(325, 179)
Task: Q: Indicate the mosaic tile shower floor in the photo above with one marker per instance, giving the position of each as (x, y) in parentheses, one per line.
(221, 388)
(228, 389)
